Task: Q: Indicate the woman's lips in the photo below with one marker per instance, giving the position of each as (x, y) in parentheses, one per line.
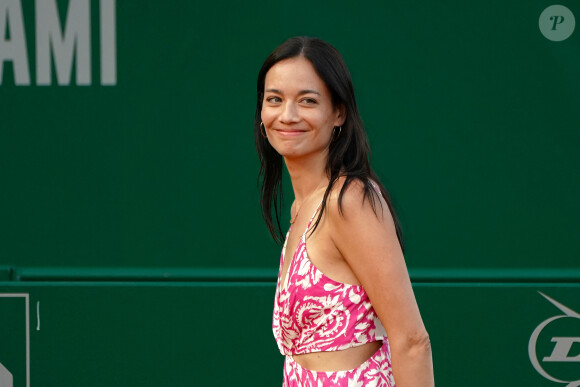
(289, 132)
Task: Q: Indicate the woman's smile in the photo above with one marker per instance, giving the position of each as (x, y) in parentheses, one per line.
(289, 132)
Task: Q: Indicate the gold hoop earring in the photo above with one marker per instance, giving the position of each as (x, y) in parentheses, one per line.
(263, 130)
(334, 135)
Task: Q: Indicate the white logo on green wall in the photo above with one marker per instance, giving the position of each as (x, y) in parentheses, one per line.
(557, 23)
(554, 347)
(62, 42)
(14, 340)
(6, 379)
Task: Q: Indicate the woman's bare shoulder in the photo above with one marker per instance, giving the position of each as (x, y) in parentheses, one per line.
(355, 198)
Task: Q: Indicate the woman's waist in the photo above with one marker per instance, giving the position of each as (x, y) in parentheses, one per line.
(337, 360)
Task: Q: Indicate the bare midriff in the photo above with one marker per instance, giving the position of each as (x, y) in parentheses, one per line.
(344, 360)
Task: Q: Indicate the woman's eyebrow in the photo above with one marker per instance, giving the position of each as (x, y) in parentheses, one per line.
(308, 92)
(301, 92)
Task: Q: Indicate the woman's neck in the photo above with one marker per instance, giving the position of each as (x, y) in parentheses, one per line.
(306, 176)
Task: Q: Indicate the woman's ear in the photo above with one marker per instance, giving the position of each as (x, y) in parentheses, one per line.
(341, 118)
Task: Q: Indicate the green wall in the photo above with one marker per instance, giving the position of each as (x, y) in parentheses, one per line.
(219, 334)
(131, 212)
(472, 115)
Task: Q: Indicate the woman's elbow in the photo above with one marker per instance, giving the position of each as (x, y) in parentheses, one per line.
(414, 344)
(419, 343)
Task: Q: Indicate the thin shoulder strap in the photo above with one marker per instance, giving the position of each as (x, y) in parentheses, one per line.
(312, 217)
(376, 187)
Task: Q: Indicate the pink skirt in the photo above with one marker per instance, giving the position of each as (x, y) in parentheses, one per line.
(376, 371)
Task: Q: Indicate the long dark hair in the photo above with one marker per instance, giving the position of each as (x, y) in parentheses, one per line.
(349, 152)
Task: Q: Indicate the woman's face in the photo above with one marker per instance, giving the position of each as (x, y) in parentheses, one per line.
(297, 109)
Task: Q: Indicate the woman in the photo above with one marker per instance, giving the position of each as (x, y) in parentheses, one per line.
(343, 284)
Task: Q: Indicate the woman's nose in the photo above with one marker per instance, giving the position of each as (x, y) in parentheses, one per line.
(289, 113)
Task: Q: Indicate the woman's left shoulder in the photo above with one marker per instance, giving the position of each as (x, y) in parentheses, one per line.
(354, 198)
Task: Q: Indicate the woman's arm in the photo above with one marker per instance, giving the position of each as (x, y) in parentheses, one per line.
(368, 242)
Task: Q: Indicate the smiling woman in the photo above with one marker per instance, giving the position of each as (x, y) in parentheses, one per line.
(344, 312)
(297, 112)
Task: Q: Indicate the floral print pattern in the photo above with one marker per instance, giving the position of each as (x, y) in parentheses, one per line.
(375, 372)
(313, 313)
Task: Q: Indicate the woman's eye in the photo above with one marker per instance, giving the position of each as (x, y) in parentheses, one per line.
(273, 99)
(310, 101)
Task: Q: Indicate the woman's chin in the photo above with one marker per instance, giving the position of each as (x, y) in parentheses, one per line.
(287, 150)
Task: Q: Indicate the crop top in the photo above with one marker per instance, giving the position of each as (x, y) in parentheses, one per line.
(314, 313)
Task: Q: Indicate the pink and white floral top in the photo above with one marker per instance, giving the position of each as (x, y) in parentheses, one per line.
(314, 313)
